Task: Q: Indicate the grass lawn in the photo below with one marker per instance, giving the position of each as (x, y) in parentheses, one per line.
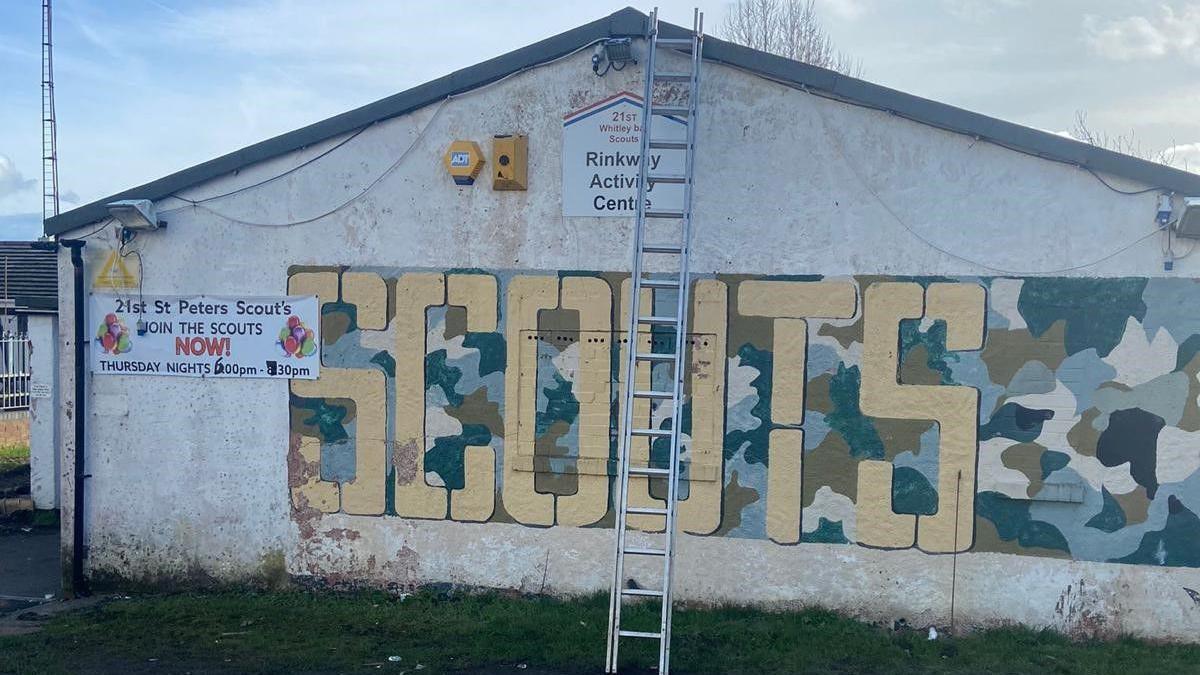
(14, 470)
(12, 456)
(292, 632)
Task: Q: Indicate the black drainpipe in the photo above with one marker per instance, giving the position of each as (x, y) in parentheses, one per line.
(78, 583)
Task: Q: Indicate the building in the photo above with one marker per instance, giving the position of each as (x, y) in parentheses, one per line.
(28, 285)
(28, 361)
(931, 351)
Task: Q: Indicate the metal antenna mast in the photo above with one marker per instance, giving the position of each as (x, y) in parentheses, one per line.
(49, 126)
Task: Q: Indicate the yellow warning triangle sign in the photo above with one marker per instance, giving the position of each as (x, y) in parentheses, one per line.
(114, 274)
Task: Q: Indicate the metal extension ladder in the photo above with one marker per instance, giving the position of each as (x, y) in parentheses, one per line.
(678, 251)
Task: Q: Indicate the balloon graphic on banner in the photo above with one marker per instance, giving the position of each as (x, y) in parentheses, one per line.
(295, 339)
(113, 335)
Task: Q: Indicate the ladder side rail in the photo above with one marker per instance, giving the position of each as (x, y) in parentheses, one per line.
(614, 617)
(681, 334)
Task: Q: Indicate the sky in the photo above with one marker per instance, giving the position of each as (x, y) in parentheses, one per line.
(148, 87)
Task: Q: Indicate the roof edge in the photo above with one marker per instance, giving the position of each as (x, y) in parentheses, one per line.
(1010, 135)
(629, 21)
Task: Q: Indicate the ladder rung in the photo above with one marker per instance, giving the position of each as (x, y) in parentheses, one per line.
(648, 471)
(660, 283)
(683, 110)
(662, 248)
(637, 550)
(673, 77)
(639, 634)
(651, 432)
(656, 356)
(673, 42)
(649, 592)
(667, 178)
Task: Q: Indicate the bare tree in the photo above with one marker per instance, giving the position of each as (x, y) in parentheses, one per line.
(789, 28)
(1126, 144)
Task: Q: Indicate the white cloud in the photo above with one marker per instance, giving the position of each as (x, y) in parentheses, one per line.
(1184, 156)
(978, 10)
(846, 9)
(303, 38)
(1064, 133)
(1139, 37)
(11, 179)
(221, 75)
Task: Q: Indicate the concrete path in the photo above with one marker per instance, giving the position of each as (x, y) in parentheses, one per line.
(29, 564)
(33, 618)
(29, 572)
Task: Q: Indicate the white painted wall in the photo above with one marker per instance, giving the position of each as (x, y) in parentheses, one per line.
(43, 412)
(190, 475)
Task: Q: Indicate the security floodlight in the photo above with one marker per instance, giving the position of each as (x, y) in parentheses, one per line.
(1189, 221)
(618, 51)
(135, 214)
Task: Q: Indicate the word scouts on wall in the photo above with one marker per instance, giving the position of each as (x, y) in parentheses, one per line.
(942, 414)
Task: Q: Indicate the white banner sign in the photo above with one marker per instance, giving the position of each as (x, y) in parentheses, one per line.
(601, 153)
(205, 336)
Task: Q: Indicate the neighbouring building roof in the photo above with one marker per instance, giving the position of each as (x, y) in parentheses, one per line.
(630, 22)
(28, 277)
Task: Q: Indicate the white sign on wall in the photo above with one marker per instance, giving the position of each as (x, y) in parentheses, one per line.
(600, 156)
(205, 336)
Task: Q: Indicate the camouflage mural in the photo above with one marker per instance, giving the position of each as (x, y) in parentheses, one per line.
(1039, 416)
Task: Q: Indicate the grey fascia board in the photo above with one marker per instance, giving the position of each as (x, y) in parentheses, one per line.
(940, 115)
(630, 22)
(623, 22)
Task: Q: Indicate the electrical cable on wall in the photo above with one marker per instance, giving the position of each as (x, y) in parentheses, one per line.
(141, 274)
(276, 177)
(1118, 190)
(1168, 250)
(100, 228)
(918, 236)
(199, 203)
(1190, 250)
(866, 106)
(362, 193)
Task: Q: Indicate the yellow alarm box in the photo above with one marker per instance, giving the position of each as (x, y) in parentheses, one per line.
(510, 156)
(464, 161)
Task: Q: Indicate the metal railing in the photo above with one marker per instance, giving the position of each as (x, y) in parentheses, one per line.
(15, 351)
